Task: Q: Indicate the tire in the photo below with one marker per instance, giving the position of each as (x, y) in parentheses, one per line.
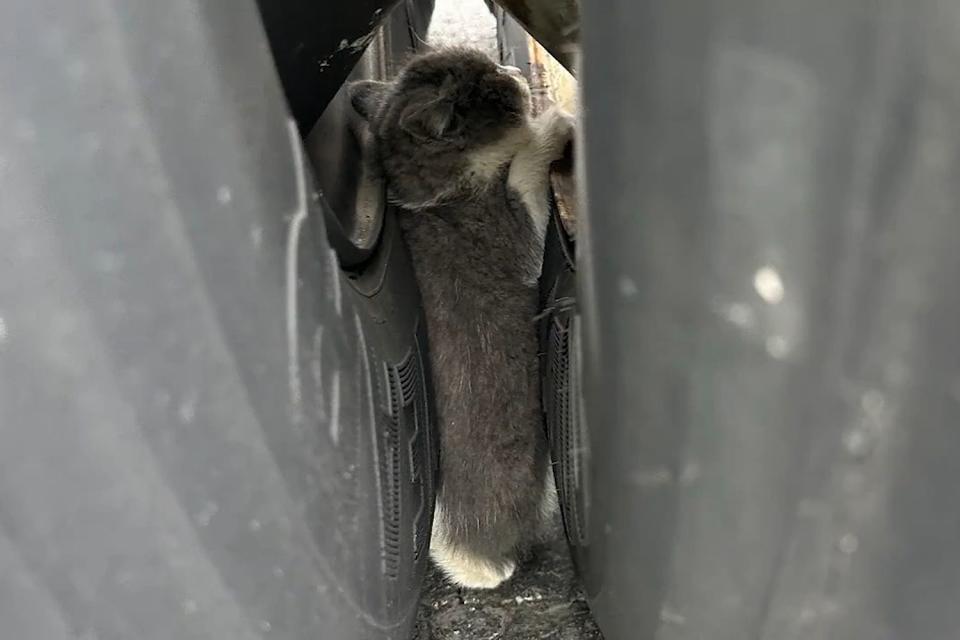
(561, 386)
(316, 45)
(207, 428)
(767, 270)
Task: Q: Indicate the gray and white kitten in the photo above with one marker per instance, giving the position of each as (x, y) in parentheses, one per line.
(468, 167)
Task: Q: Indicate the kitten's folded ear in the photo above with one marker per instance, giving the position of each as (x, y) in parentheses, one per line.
(435, 119)
(366, 96)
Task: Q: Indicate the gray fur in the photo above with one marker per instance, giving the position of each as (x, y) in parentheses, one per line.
(476, 250)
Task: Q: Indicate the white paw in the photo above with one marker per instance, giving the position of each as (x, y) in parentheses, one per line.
(461, 567)
(466, 570)
(555, 128)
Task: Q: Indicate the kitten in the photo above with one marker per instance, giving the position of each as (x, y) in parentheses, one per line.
(468, 166)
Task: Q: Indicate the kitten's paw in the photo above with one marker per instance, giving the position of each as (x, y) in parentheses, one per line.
(549, 505)
(467, 570)
(462, 567)
(556, 129)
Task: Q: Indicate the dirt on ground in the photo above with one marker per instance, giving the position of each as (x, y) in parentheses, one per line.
(543, 601)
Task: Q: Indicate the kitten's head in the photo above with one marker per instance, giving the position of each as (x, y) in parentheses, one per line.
(444, 106)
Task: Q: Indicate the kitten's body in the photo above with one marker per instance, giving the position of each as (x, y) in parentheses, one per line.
(473, 180)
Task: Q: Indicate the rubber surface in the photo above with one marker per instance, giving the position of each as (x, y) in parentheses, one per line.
(562, 387)
(207, 430)
(316, 43)
(768, 276)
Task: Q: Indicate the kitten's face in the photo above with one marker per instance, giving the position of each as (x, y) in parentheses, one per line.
(442, 106)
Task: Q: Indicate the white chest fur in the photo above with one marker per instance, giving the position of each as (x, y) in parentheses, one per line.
(529, 151)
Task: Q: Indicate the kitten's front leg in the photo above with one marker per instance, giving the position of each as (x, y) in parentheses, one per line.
(555, 129)
(529, 172)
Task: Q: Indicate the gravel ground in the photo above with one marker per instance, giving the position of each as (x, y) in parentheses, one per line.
(543, 601)
(464, 23)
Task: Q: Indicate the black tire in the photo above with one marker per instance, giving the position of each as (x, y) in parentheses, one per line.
(767, 265)
(207, 428)
(561, 388)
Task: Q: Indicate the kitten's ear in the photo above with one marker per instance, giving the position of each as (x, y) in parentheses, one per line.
(366, 96)
(436, 119)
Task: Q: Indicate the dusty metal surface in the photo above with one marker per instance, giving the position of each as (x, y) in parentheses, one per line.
(554, 23)
(550, 81)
